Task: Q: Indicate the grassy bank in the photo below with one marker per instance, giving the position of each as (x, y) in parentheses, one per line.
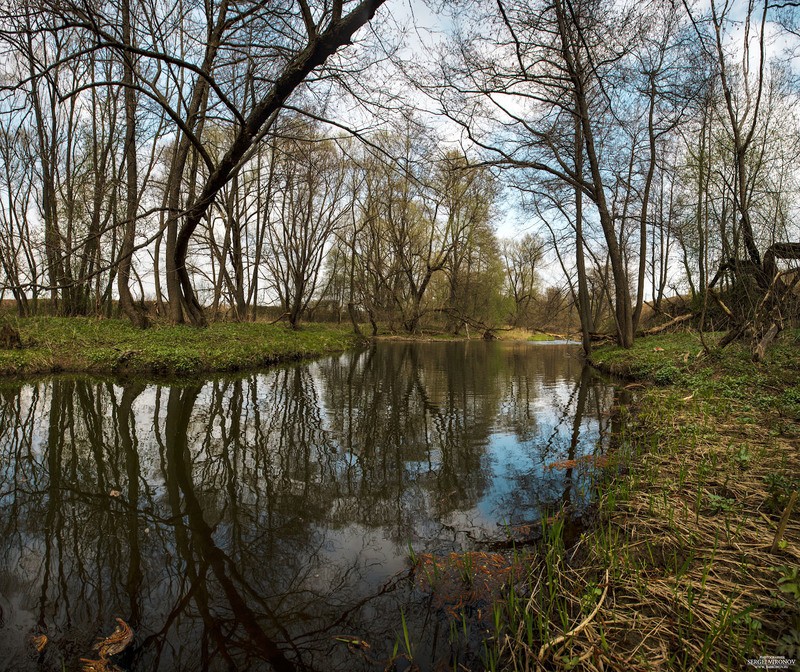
(717, 377)
(52, 345)
(707, 461)
(522, 334)
(710, 459)
(692, 562)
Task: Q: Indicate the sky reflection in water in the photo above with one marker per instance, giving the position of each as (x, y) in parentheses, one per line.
(246, 522)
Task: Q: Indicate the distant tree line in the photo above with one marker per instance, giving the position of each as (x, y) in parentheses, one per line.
(180, 153)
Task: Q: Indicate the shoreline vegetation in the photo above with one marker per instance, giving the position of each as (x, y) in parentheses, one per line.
(51, 345)
(114, 347)
(700, 526)
(691, 561)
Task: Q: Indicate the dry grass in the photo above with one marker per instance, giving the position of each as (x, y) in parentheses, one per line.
(686, 535)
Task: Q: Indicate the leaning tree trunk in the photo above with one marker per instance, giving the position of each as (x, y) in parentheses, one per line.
(337, 33)
(584, 309)
(577, 72)
(770, 316)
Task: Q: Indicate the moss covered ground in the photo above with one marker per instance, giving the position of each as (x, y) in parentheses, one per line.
(717, 377)
(109, 346)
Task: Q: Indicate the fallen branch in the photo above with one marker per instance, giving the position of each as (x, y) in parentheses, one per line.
(279, 318)
(597, 336)
(761, 349)
(579, 628)
(728, 312)
(488, 331)
(784, 522)
(663, 327)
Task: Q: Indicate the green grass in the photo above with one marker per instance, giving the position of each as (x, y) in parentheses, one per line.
(541, 337)
(523, 334)
(719, 376)
(84, 345)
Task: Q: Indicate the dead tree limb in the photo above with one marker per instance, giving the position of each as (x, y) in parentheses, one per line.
(667, 325)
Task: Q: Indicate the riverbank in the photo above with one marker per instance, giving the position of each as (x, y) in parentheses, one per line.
(695, 527)
(504, 334)
(692, 560)
(729, 376)
(114, 347)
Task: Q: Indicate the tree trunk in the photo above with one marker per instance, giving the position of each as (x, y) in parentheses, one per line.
(637, 311)
(584, 309)
(622, 300)
(136, 314)
(323, 45)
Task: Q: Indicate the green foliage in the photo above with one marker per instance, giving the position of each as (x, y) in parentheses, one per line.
(716, 440)
(590, 597)
(537, 337)
(788, 586)
(789, 583)
(719, 376)
(666, 374)
(779, 489)
(789, 644)
(790, 400)
(719, 504)
(742, 457)
(114, 346)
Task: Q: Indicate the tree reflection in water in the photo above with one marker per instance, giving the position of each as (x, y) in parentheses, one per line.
(246, 523)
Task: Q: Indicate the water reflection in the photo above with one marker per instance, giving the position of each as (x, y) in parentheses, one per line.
(248, 523)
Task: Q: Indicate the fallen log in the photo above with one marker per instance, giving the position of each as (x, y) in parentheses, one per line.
(667, 325)
(761, 348)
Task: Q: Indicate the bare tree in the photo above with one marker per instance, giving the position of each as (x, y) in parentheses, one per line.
(310, 178)
(265, 51)
(557, 90)
(521, 258)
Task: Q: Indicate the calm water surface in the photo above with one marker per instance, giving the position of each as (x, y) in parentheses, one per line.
(246, 523)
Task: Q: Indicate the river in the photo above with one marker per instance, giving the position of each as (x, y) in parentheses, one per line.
(268, 521)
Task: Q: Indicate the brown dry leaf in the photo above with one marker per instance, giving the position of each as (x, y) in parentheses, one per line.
(88, 665)
(116, 642)
(39, 642)
(563, 464)
(114, 493)
(686, 357)
(658, 349)
(102, 665)
(600, 461)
